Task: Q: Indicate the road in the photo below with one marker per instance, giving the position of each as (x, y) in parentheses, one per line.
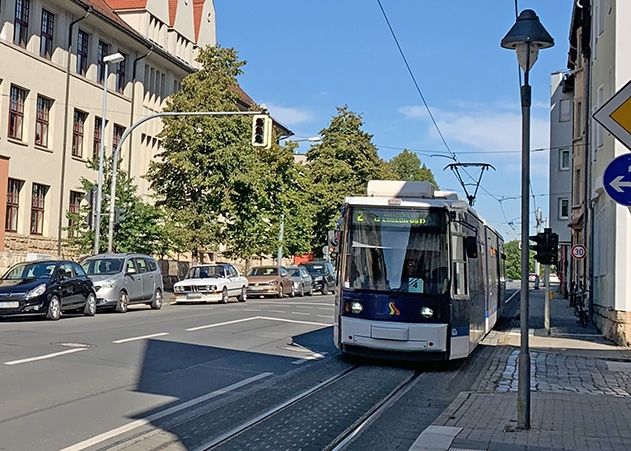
(255, 374)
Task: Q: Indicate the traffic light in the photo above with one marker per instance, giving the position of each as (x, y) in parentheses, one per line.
(90, 199)
(546, 247)
(262, 131)
(119, 217)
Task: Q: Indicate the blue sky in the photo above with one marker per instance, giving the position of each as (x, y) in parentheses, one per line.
(307, 57)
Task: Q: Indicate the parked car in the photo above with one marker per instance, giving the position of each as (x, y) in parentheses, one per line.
(124, 279)
(46, 288)
(323, 274)
(554, 278)
(265, 281)
(211, 283)
(303, 282)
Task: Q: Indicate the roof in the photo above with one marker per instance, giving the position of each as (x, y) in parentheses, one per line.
(172, 11)
(198, 9)
(127, 4)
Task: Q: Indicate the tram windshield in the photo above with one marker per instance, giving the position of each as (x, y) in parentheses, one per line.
(397, 250)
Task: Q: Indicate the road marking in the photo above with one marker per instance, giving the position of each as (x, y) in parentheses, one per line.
(251, 309)
(284, 320)
(325, 316)
(208, 326)
(125, 340)
(156, 416)
(277, 311)
(436, 437)
(296, 303)
(314, 356)
(42, 357)
(301, 313)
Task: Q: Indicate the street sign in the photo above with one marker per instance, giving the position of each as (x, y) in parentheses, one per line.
(617, 179)
(579, 251)
(615, 115)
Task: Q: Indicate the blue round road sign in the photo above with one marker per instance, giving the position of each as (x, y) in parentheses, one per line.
(617, 179)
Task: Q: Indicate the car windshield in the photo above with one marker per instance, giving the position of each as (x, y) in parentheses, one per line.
(41, 270)
(398, 250)
(315, 270)
(103, 266)
(203, 272)
(263, 271)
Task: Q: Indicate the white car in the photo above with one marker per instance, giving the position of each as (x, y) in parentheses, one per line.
(554, 278)
(211, 283)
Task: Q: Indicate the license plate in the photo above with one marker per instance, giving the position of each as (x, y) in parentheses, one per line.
(9, 304)
(193, 296)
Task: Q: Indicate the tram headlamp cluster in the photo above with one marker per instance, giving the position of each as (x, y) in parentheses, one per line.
(427, 312)
(357, 307)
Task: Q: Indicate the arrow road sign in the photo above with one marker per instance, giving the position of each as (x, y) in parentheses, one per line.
(615, 115)
(617, 179)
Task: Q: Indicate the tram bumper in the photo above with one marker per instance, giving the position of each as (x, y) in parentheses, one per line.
(361, 334)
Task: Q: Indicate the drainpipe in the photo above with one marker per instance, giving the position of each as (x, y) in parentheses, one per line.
(64, 151)
(588, 209)
(133, 99)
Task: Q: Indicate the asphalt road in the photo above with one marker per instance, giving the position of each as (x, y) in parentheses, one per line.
(68, 381)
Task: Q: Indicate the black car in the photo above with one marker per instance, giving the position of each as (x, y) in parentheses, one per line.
(323, 275)
(46, 288)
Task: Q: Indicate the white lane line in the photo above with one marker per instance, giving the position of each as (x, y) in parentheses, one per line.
(301, 313)
(142, 337)
(435, 437)
(325, 316)
(314, 356)
(42, 357)
(295, 303)
(277, 311)
(251, 309)
(156, 416)
(284, 320)
(208, 326)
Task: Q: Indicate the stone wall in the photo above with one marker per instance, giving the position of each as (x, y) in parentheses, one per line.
(614, 325)
(19, 248)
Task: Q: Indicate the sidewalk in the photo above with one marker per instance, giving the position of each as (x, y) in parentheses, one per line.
(580, 400)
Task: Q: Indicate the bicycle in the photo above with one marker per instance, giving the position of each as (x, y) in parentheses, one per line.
(579, 307)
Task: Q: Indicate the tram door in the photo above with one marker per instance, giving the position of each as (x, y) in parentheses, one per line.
(492, 272)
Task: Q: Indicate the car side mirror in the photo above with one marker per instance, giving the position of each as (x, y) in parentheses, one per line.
(471, 246)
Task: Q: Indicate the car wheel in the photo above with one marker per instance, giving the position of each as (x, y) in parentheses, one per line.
(224, 296)
(156, 304)
(123, 302)
(302, 291)
(281, 294)
(90, 305)
(244, 295)
(292, 292)
(54, 309)
(325, 289)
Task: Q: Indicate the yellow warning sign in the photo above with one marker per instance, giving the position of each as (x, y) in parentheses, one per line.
(615, 115)
(623, 115)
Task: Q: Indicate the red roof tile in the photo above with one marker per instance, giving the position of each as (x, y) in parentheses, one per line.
(127, 4)
(198, 9)
(172, 11)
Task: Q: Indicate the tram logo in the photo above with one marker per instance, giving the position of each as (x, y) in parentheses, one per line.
(393, 310)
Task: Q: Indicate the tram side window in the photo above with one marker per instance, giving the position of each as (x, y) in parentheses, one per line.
(460, 278)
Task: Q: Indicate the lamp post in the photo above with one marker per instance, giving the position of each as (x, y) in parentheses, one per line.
(526, 37)
(109, 59)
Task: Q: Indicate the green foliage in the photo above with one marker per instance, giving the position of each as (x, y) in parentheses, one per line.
(144, 229)
(513, 260)
(340, 165)
(408, 166)
(220, 189)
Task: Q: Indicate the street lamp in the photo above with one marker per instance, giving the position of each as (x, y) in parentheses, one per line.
(526, 37)
(109, 59)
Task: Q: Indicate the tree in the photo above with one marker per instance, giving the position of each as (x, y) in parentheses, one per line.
(408, 166)
(145, 228)
(513, 260)
(219, 188)
(340, 165)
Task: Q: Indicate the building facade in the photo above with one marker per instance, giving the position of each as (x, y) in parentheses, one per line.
(561, 96)
(51, 86)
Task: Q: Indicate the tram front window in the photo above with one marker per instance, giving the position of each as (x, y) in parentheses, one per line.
(398, 250)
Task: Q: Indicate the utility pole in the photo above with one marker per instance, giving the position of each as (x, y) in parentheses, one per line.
(281, 234)
(538, 223)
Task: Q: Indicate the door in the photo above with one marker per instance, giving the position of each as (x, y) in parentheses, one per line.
(69, 290)
(146, 276)
(133, 281)
(286, 280)
(234, 281)
(83, 283)
(306, 279)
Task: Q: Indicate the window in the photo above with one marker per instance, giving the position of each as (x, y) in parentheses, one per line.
(121, 73)
(163, 86)
(74, 209)
(564, 208)
(152, 265)
(118, 133)
(37, 208)
(141, 264)
(577, 187)
(564, 159)
(565, 110)
(83, 42)
(102, 52)
(20, 36)
(16, 112)
(78, 270)
(42, 120)
(13, 205)
(96, 143)
(578, 114)
(47, 35)
(77, 133)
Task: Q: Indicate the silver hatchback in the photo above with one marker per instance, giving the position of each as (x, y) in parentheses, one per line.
(124, 279)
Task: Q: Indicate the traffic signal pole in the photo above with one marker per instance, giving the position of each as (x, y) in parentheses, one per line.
(548, 292)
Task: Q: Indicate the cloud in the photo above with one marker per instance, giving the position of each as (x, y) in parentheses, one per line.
(289, 116)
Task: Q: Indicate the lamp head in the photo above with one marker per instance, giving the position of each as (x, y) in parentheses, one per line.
(527, 36)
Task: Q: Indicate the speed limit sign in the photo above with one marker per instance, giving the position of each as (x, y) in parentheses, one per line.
(579, 251)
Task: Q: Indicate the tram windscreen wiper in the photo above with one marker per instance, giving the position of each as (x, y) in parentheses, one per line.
(405, 289)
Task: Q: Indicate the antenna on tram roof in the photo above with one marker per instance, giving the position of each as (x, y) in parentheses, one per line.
(456, 167)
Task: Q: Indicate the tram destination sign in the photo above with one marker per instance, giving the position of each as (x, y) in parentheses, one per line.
(396, 217)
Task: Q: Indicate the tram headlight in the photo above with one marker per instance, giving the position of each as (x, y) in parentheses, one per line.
(427, 312)
(356, 307)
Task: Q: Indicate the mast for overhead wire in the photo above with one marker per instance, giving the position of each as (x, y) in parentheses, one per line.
(456, 167)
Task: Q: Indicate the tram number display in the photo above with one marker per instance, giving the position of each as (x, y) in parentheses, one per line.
(579, 251)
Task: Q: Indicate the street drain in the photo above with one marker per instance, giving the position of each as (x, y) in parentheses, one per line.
(71, 344)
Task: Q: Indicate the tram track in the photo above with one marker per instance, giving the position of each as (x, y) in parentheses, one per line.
(327, 416)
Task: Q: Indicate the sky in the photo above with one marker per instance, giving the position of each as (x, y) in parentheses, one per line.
(305, 58)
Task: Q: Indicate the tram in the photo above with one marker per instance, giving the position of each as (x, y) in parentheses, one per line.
(420, 274)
